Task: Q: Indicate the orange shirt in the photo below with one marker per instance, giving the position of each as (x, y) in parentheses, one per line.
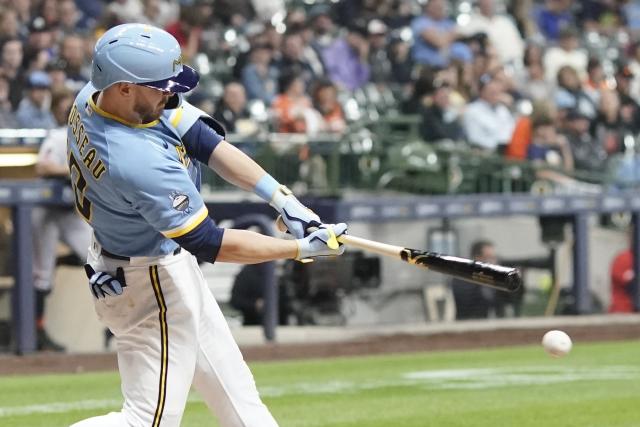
(520, 140)
(290, 113)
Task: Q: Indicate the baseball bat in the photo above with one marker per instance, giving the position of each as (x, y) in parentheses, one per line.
(495, 276)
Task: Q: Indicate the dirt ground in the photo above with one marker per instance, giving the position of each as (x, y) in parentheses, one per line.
(399, 343)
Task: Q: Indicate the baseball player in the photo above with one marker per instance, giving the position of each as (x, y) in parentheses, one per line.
(134, 150)
(54, 223)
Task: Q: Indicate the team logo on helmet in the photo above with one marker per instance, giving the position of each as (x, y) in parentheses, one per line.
(177, 63)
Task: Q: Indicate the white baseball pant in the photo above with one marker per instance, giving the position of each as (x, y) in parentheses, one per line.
(171, 333)
(51, 224)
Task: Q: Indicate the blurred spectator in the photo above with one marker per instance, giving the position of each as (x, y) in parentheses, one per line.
(71, 19)
(34, 110)
(401, 61)
(473, 301)
(292, 59)
(158, 12)
(234, 13)
(630, 10)
(188, 28)
(9, 28)
(571, 96)
(588, 152)
(629, 108)
(52, 224)
(40, 47)
(378, 54)
(525, 22)
(596, 79)
(292, 107)
(532, 83)
(7, 118)
(23, 11)
(609, 129)
(321, 23)
(91, 8)
(324, 96)
(602, 16)
(553, 17)
(500, 29)
(567, 53)
(438, 120)
(58, 75)
(548, 148)
(78, 64)
(259, 77)
(125, 10)
(634, 67)
(623, 286)
(346, 59)
(435, 37)
(49, 12)
(487, 123)
(523, 132)
(10, 67)
(232, 107)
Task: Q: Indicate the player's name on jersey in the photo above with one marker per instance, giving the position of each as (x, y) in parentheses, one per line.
(88, 153)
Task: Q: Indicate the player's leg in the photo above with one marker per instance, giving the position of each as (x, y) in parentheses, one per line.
(222, 376)
(156, 344)
(45, 240)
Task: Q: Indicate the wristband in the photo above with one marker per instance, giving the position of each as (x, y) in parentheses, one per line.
(266, 187)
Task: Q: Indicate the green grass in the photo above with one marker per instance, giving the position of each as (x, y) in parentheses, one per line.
(595, 386)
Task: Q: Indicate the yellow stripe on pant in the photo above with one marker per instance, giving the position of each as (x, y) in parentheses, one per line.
(164, 345)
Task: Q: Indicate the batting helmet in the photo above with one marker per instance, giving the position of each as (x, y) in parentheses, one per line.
(141, 54)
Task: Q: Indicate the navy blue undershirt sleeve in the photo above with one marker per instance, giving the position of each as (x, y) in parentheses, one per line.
(204, 241)
(202, 138)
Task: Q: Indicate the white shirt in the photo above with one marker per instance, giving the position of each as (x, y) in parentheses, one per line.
(502, 33)
(488, 126)
(556, 58)
(54, 147)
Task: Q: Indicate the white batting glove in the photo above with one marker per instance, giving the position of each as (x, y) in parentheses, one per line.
(296, 216)
(322, 242)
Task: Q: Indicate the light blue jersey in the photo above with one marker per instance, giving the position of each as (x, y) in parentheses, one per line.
(135, 184)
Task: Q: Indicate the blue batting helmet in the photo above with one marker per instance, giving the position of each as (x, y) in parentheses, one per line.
(141, 54)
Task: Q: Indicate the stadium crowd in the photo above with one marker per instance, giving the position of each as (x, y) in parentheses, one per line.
(556, 81)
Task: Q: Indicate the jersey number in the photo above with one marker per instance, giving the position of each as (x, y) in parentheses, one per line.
(83, 205)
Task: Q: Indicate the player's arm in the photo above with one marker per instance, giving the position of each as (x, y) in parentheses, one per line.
(210, 243)
(204, 141)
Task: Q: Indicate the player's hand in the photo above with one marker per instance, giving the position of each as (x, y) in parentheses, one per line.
(296, 216)
(103, 284)
(322, 242)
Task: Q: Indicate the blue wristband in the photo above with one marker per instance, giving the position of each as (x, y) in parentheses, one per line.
(266, 187)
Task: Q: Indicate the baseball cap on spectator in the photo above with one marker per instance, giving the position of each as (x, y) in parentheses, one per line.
(38, 80)
(358, 27)
(39, 25)
(56, 65)
(376, 27)
(318, 10)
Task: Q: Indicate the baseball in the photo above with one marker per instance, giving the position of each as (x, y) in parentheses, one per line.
(556, 343)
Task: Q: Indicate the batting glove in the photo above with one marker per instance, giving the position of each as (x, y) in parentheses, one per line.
(296, 216)
(322, 242)
(103, 284)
